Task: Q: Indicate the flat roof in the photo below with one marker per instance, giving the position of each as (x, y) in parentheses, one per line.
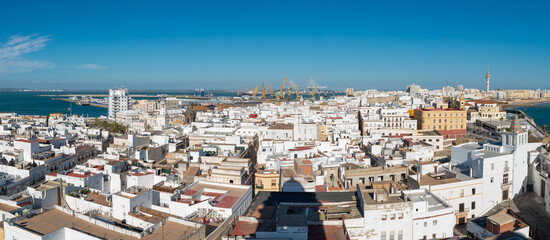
(244, 228)
(428, 180)
(375, 170)
(434, 204)
(265, 204)
(501, 218)
(54, 219)
(316, 232)
(47, 185)
(8, 208)
(233, 193)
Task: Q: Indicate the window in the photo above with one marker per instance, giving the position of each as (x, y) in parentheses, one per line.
(230, 181)
(473, 205)
(384, 217)
(492, 166)
(400, 215)
(505, 178)
(425, 224)
(273, 183)
(491, 179)
(392, 235)
(473, 191)
(462, 192)
(400, 235)
(383, 235)
(435, 222)
(392, 217)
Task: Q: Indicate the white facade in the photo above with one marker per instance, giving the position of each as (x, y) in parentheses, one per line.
(503, 167)
(432, 218)
(118, 101)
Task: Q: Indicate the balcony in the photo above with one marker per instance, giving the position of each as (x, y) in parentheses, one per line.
(462, 210)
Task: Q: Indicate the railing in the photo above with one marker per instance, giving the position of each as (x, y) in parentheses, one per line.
(466, 209)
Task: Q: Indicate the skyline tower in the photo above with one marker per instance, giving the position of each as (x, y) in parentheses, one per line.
(487, 76)
(118, 101)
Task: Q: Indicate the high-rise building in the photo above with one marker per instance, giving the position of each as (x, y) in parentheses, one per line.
(412, 89)
(118, 101)
(487, 76)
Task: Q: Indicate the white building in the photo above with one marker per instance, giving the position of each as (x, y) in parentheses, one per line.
(503, 167)
(118, 101)
(462, 192)
(432, 218)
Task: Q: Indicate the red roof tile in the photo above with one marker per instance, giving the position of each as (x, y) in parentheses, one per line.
(245, 228)
(320, 188)
(328, 232)
(227, 202)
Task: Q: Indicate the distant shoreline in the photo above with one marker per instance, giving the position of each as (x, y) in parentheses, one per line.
(525, 103)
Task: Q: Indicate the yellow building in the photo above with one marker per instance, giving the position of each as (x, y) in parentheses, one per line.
(448, 122)
(462, 102)
(522, 94)
(485, 110)
(323, 135)
(145, 105)
(266, 179)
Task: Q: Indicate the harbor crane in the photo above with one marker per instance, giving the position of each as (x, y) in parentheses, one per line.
(283, 88)
(289, 88)
(255, 92)
(264, 91)
(297, 92)
(312, 85)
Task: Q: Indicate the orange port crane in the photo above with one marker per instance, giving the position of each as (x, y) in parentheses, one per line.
(283, 88)
(297, 92)
(264, 91)
(255, 92)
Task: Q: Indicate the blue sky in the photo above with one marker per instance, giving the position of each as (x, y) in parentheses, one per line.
(240, 44)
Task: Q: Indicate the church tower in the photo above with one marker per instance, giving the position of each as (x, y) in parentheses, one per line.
(516, 137)
(462, 102)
